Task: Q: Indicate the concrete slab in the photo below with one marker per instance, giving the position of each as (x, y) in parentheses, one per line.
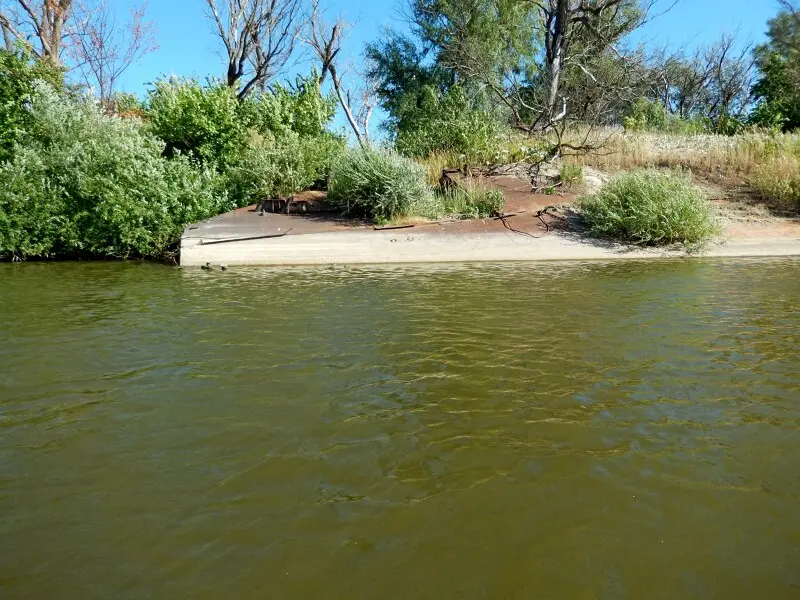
(243, 237)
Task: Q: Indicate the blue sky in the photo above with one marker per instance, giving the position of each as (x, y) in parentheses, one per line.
(187, 46)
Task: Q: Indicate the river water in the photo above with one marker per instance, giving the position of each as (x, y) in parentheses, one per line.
(625, 430)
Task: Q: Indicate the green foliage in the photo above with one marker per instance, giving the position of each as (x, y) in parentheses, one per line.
(645, 115)
(18, 73)
(448, 123)
(126, 104)
(778, 89)
(377, 183)
(650, 207)
(84, 182)
(570, 174)
(202, 121)
(777, 94)
(279, 168)
(477, 40)
(401, 73)
(469, 202)
(301, 109)
(648, 115)
(31, 207)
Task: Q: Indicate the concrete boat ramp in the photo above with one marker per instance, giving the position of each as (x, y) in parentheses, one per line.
(246, 237)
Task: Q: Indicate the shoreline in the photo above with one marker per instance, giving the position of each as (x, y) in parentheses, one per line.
(414, 246)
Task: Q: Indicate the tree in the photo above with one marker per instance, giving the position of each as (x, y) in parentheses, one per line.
(43, 21)
(259, 38)
(402, 77)
(730, 81)
(325, 40)
(575, 34)
(103, 51)
(778, 87)
(477, 40)
(84, 32)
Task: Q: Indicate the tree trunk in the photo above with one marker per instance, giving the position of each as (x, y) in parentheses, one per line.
(8, 39)
(555, 56)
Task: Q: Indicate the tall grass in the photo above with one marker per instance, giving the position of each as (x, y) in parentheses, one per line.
(650, 207)
(769, 163)
(778, 181)
(713, 154)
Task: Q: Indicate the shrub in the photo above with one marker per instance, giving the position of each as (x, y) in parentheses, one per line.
(448, 123)
(648, 115)
(18, 73)
(85, 182)
(378, 183)
(203, 121)
(570, 174)
(650, 207)
(32, 213)
(270, 168)
(301, 109)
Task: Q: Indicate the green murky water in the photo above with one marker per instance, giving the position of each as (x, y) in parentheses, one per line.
(571, 431)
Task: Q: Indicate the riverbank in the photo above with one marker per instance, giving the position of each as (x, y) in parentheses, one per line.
(245, 238)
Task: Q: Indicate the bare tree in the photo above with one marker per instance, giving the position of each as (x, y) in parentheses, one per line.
(325, 40)
(103, 51)
(731, 76)
(259, 38)
(576, 30)
(43, 21)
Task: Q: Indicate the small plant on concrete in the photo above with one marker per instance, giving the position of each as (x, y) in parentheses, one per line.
(378, 183)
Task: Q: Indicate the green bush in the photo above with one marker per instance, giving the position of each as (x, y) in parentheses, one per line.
(648, 115)
(18, 74)
(32, 209)
(570, 174)
(650, 207)
(448, 123)
(301, 109)
(204, 121)
(270, 168)
(377, 183)
(82, 182)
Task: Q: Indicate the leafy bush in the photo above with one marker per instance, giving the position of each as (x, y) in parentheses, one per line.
(270, 168)
(84, 182)
(448, 123)
(31, 207)
(378, 183)
(648, 115)
(650, 207)
(18, 73)
(203, 121)
(301, 109)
